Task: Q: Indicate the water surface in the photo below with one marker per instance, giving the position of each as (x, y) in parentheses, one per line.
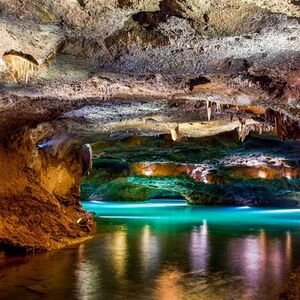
(164, 249)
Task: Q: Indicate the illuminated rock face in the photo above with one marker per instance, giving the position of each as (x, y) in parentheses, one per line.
(81, 72)
(215, 171)
(39, 195)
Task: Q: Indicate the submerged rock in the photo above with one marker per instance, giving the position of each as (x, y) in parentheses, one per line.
(291, 290)
(38, 289)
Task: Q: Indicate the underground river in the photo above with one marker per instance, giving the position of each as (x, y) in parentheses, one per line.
(164, 249)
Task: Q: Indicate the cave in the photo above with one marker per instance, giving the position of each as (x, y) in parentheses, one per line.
(149, 149)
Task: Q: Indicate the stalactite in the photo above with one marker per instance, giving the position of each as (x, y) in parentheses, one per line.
(259, 128)
(87, 159)
(175, 134)
(21, 67)
(208, 107)
(286, 127)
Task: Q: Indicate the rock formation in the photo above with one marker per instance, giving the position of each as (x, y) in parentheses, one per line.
(218, 170)
(40, 203)
(76, 72)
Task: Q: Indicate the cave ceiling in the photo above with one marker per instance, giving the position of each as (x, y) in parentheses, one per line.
(94, 69)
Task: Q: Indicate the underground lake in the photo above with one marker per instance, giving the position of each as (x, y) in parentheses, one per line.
(165, 249)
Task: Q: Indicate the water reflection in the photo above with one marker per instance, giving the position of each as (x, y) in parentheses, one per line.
(254, 259)
(288, 249)
(261, 260)
(192, 257)
(199, 248)
(149, 250)
(119, 251)
(87, 274)
(168, 285)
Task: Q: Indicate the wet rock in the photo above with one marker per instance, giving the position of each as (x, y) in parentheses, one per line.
(215, 171)
(38, 289)
(291, 290)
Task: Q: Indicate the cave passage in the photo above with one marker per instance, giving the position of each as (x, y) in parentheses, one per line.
(149, 149)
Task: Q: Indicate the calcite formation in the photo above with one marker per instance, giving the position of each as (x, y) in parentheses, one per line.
(218, 170)
(77, 72)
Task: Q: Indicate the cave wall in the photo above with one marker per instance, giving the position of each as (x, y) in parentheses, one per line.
(218, 170)
(39, 195)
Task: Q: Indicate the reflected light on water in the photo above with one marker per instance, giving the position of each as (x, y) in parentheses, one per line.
(260, 259)
(87, 273)
(288, 249)
(249, 256)
(280, 211)
(199, 248)
(119, 251)
(168, 285)
(277, 257)
(150, 205)
(263, 248)
(130, 217)
(185, 253)
(253, 259)
(149, 249)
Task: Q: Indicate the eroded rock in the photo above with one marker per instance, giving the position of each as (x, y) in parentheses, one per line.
(39, 195)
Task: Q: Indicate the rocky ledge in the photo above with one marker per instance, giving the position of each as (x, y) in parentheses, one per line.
(218, 170)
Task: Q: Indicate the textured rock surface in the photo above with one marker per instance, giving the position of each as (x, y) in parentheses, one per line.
(39, 196)
(217, 170)
(76, 72)
(239, 52)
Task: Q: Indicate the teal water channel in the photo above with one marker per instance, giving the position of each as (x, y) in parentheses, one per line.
(165, 249)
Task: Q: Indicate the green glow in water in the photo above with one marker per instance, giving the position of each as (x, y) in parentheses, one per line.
(177, 211)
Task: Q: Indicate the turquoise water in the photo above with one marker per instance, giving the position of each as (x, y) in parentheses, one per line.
(179, 213)
(164, 249)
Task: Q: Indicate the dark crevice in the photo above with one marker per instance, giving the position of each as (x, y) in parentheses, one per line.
(197, 81)
(150, 20)
(82, 3)
(270, 85)
(296, 2)
(124, 3)
(206, 18)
